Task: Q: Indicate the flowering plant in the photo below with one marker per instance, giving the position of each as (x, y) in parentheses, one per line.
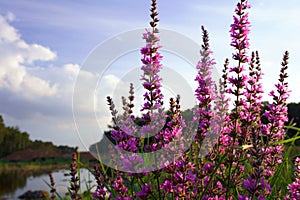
(245, 159)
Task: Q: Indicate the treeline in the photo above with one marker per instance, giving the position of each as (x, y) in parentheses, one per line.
(12, 139)
(294, 119)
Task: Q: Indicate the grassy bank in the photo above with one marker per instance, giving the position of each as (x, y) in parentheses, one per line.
(35, 166)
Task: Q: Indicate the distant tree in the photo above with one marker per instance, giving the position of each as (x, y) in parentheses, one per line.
(294, 118)
(12, 139)
(187, 115)
(3, 130)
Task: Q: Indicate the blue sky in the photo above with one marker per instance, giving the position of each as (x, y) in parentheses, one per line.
(44, 43)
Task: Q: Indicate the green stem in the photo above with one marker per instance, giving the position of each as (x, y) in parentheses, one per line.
(212, 175)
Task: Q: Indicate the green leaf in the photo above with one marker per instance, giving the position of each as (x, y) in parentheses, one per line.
(288, 140)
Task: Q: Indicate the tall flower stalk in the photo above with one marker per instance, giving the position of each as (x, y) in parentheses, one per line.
(205, 92)
(52, 184)
(256, 184)
(240, 42)
(151, 65)
(75, 186)
(277, 116)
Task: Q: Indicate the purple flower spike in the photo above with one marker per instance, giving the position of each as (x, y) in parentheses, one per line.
(240, 31)
(294, 188)
(151, 67)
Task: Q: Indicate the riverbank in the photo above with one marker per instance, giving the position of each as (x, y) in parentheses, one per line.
(17, 161)
(32, 166)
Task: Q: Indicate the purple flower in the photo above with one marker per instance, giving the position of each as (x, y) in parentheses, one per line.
(250, 184)
(205, 92)
(100, 193)
(146, 190)
(151, 67)
(239, 34)
(240, 31)
(294, 188)
(123, 198)
(167, 186)
(119, 186)
(243, 197)
(243, 136)
(277, 116)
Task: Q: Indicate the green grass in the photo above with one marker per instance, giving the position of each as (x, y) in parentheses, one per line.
(46, 165)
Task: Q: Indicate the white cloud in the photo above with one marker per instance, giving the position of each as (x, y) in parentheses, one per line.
(15, 56)
(72, 69)
(39, 98)
(8, 33)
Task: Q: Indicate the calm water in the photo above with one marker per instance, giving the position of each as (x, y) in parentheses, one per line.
(14, 184)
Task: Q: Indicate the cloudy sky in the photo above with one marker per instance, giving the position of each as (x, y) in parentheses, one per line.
(45, 44)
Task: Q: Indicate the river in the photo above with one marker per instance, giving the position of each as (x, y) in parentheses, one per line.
(14, 184)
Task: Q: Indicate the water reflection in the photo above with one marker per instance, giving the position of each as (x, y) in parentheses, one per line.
(14, 183)
(10, 181)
